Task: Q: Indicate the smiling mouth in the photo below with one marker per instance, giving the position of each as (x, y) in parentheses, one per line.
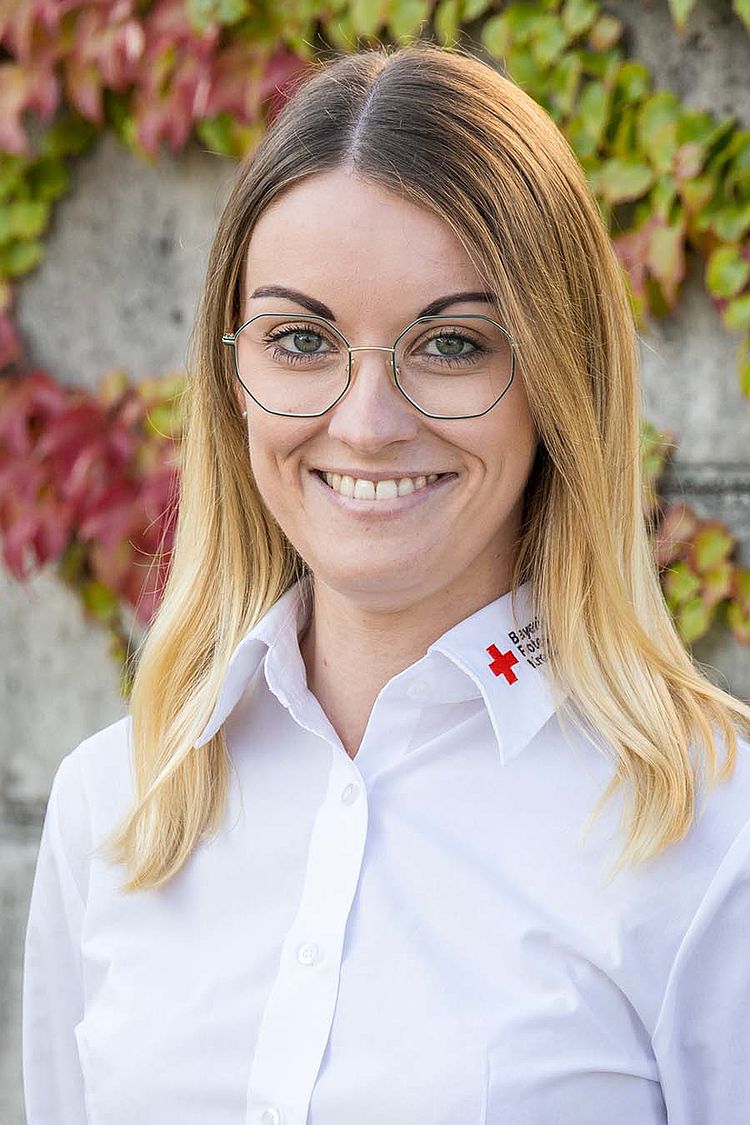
(380, 497)
(359, 488)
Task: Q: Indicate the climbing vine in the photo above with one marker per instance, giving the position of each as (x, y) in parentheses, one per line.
(87, 480)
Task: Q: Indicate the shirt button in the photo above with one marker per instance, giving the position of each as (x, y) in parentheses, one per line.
(349, 793)
(418, 689)
(307, 954)
(271, 1116)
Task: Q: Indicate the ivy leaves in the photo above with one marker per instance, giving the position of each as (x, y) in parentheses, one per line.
(668, 179)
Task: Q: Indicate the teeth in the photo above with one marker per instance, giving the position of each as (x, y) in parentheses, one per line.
(384, 489)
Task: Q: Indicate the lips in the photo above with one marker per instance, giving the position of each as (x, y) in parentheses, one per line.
(369, 506)
(393, 475)
(379, 489)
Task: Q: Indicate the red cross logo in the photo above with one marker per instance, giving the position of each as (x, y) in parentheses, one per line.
(502, 664)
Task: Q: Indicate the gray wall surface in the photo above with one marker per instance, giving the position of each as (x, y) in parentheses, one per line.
(118, 285)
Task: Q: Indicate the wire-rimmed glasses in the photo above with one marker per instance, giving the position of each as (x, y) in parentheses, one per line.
(445, 366)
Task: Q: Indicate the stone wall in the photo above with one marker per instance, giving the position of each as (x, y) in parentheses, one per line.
(118, 286)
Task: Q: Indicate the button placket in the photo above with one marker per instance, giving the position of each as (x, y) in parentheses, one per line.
(308, 953)
(296, 1021)
(349, 793)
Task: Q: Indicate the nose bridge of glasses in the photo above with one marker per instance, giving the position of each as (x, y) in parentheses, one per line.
(372, 348)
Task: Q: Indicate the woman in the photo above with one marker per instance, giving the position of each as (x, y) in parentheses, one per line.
(412, 639)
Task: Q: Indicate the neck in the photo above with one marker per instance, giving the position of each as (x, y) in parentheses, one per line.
(351, 649)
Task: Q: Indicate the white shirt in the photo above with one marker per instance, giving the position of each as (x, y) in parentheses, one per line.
(411, 937)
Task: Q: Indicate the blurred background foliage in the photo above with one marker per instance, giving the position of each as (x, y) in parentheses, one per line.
(88, 481)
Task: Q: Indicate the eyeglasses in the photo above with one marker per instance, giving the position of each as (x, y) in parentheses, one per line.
(445, 366)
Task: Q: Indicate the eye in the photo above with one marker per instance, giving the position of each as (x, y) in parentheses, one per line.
(450, 345)
(305, 339)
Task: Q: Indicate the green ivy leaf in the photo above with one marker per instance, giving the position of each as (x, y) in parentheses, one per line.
(698, 193)
(742, 9)
(666, 256)
(368, 16)
(711, 545)
(736, 315)
(696, 127)
(23, 220)
(663, 195)
(496, 36)
(717, 582)
(564, 81)
(731, 222)
(604, 65)
(522, 21)
(69, 136)
(694, 619)
(72, 563)
(738, 619)
(657, 129)
(579, 15)
(408, 17)
(743, 365)
(48, 179)
(549, 40)
(13, 170)
(738, 167)
(341, 33)
(101, 602)
(19, 257)
(680, 10)
(447, 22)
(741, 587)
(204, 13)
(526, 71)
(680, 584)
(623, 180)
(722, 145)
(623, 141)
(633, 82)
(216, 133)
(593, 109)
(727, 271)
(472, 9)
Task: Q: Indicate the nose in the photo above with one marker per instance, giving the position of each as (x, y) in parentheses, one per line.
(373, 412)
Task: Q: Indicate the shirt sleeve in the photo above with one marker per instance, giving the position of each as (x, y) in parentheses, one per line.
(702, 1036)
(52, 996)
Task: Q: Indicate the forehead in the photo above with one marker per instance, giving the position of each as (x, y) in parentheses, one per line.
(340, 235)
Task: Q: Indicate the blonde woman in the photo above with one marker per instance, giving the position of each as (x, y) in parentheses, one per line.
(421, 813)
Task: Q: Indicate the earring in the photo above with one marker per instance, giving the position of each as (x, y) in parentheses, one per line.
(244, 414)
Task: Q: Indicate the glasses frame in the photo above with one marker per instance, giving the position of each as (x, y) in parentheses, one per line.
(229, 339)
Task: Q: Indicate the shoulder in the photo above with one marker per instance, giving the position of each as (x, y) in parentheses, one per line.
(101, 763)
(721, 805)
(692, 881)
(722, 813)
(92, 787)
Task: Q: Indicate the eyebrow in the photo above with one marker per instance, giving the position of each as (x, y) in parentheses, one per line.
(319, 309)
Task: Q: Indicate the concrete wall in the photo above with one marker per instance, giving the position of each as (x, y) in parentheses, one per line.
(118, 286)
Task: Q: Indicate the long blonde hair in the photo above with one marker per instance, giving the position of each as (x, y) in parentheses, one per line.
(452, 135)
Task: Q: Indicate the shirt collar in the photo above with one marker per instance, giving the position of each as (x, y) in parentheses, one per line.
(489, 654)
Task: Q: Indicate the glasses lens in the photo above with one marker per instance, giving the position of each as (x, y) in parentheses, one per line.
(452, 366)
(456, 366)
(292, 365)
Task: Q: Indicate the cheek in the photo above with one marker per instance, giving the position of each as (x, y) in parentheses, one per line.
(275, 446)
(503, 444)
